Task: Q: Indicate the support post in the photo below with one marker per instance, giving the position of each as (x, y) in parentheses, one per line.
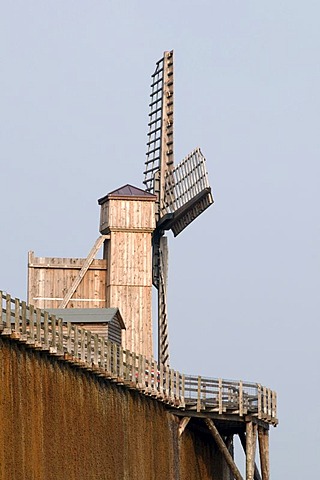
(263, 435)
(251, 439)
(242, 437)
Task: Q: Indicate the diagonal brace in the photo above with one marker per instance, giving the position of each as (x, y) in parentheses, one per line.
(223, 449)
(84, 269)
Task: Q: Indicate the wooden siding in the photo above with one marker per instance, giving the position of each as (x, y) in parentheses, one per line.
(129, 286)
(135, 305)
(114, 332)
(50, 278)
(130, 221)
(127, 214)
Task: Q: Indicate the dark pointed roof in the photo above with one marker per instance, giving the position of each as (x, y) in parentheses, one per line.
(127, 191)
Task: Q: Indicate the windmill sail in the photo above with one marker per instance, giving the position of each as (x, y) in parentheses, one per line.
(159, 159)
(182, 192)
(188, 192)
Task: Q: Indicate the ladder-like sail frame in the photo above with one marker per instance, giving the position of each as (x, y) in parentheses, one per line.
(183, 192)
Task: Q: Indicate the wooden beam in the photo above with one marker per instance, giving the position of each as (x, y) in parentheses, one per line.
(223, 449)
(251, 439)
(81, 274)
(182, 425)
(263, 436)
(242, 437)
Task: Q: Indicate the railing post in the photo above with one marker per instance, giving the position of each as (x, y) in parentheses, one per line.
(102, 354)
(89, 348)
(121, 362)
(38, 326)
(182, 391)
(171, 385)
(68, 342)
(45, 330)
(31, 323)
(114, 360)
(95, 349)
(140, 369)
(118, 360)
(24, 320)
(147, 374)
(8, 329)
(76, 343)
(220, 406)
(177, 393)
(199, 395)
(17, 315)
(82, 346)
(155, 376)
(274, 405)
(161, 379)
(265, 411)
(126, 361)
(108, 351)
(53, 333)
(259, 402)
(60, 337)
(240, 398)
(167, 384)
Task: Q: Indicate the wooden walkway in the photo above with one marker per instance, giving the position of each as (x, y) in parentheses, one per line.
(187, 393)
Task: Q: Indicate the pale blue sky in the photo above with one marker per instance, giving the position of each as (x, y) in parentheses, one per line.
(244, 278)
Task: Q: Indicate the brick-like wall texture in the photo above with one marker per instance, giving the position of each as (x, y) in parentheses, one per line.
(59, 422)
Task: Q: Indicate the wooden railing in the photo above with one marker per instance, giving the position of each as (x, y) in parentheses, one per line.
(40, 330)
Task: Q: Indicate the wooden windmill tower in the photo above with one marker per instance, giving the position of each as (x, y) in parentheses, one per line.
(132, 227)
(182, 191)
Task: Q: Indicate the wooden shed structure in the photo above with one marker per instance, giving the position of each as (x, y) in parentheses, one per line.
(106, 322)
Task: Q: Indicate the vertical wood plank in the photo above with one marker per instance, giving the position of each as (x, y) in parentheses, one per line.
(60, 337)
(161, 379)
(82, 346)
(76, 343)
(220, 404)
(167, 384)
(8, 314)
(269, 402)
(46, 330)
(38, 325)
(102, 354)
(259, 402)
(121, 362)
(264, 401)
(53, 332)
(17, 315)
(23, 320)
(31, 323)
(95, 349)
(69, 333)
(114, 360)
(240, 398)
(89, 347)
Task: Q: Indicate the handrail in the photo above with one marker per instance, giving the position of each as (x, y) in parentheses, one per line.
(38, 328)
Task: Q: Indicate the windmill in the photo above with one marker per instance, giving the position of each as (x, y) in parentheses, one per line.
(182, 191)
